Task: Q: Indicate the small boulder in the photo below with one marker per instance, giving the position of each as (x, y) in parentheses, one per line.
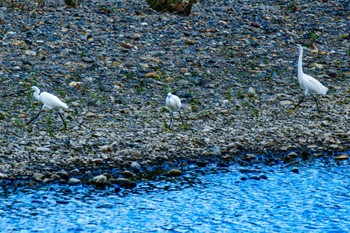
(174, 173)
(135, 166)
(74, 181)
(125, 183)
(100, 180)
(295, 170)
(127, 174)
(63, 174)
(342, 157)
(38, 176)
(3, 176)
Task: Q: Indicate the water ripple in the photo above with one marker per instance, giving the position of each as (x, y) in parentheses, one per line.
(316, 199)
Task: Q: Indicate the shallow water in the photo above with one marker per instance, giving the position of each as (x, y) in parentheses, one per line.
(317, 199)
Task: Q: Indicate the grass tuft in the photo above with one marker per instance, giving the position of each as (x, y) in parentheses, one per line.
(181, 7)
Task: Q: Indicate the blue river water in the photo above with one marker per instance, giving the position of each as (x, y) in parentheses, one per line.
(316, 198)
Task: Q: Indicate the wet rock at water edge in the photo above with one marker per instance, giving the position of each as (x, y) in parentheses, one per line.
(249, 157)
(38, 176)
(201, 163)
(295, 170)
(100, 180)
(63, 174)
(127, 174)
(222, 164)
(136, 167)
(254, 177)
(215, 150)
(125, 183)
(74, 181)
(174, 173)
(342, 157)
(290, 157)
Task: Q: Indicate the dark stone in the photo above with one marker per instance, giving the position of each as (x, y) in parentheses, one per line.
(295, 170)
(174, 172)
(125, 183)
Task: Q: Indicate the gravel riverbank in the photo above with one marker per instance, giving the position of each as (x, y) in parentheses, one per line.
(233, 64)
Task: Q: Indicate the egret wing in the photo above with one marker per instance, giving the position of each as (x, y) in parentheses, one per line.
(52, 101)
(314, 86)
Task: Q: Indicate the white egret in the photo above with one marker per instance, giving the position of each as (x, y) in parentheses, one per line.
(173, 103)
(50, 101)
(309, 84)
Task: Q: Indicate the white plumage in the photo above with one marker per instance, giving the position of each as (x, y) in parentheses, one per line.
(49, 101)
(309, 84)
(173, 103)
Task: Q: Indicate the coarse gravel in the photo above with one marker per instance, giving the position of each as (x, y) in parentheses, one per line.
(232, 63)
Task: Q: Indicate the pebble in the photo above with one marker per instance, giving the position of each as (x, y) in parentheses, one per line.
(285, 102)
(153, 75)
(88, 59)
(97, 161)
(43, 149)
(251, 91)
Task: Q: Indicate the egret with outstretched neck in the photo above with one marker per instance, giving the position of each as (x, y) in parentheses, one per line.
(309, 84)
(50, 101)
(173, 103)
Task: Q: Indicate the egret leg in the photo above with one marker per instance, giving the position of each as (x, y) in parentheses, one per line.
(318, 110)
(34, 118)
(64, 123)
(171, 119)
(302, 99)
(182, 120)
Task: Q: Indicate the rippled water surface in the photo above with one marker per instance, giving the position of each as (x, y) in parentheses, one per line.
(317, 199)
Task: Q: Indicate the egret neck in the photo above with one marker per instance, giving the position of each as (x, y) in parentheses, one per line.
(36, 93)
(300, 63)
